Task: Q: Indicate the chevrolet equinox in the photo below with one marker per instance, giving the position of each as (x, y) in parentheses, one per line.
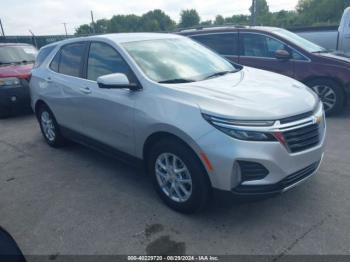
(197, 121)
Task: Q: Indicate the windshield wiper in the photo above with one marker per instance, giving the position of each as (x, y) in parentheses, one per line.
(220, 74)
(176, 81)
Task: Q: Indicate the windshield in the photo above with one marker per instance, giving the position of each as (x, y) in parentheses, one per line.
(298, 40)
(17, 54)
(177, 60)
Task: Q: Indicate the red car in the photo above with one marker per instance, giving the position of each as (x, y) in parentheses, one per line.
(283, 52)
(16, 62)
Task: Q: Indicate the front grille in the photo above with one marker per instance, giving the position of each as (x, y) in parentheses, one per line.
(302, 138)
(280, 186)
(252, 171)
(296, 118)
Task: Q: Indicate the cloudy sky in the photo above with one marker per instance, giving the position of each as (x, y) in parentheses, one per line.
(47, 16)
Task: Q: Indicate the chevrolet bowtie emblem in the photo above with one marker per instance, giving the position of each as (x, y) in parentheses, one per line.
(318, 119)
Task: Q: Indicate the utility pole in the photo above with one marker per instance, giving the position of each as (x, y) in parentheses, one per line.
(65, 28)
(253, 22)
(2, 29)
(33, 38)
(92, 22)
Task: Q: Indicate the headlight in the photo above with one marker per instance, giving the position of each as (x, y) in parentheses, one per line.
(234, 129)
(9, 81)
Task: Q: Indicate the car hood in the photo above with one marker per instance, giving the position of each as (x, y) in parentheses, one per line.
(20, 71)
(250, 94)
(337, 57)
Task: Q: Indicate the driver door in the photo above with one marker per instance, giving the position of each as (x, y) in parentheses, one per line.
(258, 50)
(109, 113)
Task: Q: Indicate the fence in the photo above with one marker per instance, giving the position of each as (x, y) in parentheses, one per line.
(37, 41)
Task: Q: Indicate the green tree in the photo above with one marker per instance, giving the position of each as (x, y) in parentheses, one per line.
(321, 12)
(124, 23)
(238, 20)
(189, 18)
(101, 26)
(83, 30)
(219, 20)
(263, 15)
(206, 23)
(156, 20)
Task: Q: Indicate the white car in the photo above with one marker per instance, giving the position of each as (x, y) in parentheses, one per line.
(197, 121)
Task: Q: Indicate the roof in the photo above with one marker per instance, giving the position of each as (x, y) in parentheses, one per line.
(132, 37)
(120, 37)
(227, 28)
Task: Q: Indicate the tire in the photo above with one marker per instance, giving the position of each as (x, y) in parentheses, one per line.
(330, 93)
(49, 127)
(189, 168)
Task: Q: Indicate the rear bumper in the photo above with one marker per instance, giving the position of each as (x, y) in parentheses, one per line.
(15, 97)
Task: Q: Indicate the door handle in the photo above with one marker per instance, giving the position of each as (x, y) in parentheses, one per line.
(48, 79)
(85, 90)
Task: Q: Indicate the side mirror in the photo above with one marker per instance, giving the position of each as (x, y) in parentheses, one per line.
(116, 81)
(283, 54)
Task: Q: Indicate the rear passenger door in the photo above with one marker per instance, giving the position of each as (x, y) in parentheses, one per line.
(108, 113)
(66, 80)
(258, 50)
(226, 44)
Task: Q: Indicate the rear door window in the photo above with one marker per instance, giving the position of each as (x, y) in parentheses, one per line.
(222, 43)
(71, 59)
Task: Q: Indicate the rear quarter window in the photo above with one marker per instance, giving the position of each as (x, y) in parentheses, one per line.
(43, 53)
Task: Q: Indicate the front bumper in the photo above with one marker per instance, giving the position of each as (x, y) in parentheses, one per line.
(15, 97)
(284, 185)
(285, 169)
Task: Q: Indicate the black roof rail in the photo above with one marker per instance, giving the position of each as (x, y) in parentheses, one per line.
(201, 27)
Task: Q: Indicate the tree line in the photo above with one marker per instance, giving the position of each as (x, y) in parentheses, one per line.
(307, 13)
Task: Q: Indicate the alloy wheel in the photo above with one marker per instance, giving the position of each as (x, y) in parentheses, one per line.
(173, 177)
(327, 96)
(48, 126)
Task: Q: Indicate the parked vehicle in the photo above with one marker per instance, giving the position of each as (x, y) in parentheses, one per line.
(197, 121)
(335, 40)
(16, 62)
(283, 52)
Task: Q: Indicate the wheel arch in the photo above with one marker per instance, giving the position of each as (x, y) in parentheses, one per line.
(335, 79)
(153, 138)
(39, 103)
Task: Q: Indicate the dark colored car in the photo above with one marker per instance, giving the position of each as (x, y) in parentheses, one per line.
(16, 62)
(283, 52)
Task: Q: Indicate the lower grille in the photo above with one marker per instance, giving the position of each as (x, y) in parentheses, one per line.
(252, 171)
(280, 186)
(302, 138)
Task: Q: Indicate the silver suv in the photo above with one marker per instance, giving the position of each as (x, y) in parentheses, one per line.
(197, 121)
